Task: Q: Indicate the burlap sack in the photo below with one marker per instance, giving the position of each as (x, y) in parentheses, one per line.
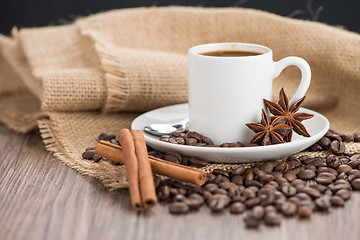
(134, 60)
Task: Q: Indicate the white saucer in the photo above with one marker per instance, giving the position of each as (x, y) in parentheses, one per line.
(316, 126)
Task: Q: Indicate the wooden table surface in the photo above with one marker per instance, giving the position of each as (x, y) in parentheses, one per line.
(41, 198)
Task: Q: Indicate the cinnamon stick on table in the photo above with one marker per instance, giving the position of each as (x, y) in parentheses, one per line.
(146, 180)
(173, 170)
(132, 167)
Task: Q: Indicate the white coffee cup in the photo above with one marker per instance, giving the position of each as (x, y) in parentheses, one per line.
(225, 93)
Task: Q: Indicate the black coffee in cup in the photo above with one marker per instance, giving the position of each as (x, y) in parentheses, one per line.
(222, 53)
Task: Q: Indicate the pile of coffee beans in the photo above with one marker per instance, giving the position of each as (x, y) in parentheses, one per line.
(196, 139)
(268, 191)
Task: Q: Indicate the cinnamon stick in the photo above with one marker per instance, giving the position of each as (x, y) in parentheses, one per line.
(159, 166)
(132, 168)
(146, 180)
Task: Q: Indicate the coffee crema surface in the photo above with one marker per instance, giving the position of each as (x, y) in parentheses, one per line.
(223, 53)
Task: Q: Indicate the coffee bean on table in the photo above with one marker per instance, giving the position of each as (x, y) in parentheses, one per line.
(316, 147)
(334, 137)
(267, 167)
(357, 137)
(281, 167)
(343, 169)
(337, 147)
(288, 190)
(96, 158)
(195, 200)
(347, 137)
(272, 218)
(306, 174)
(290, 176)
(252, 202)
(322, 204)
(304, 212)
(237, 207)
(323, 180)
(344, 194)
(251, 221)
(355, 184)
(312, 192)
(327, 175)
(178, 208)
(354, 161)
(328, 170)
(288, 208)
(320, 188)
(218, 171)
(218, 202)
(258, 212)
(337, 201)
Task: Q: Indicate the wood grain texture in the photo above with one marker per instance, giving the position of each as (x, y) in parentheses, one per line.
(40, 198)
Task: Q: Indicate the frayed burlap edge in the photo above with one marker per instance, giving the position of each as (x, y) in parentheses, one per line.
(113, 177)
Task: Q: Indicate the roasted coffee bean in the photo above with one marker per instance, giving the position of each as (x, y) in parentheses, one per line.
(253, 183)
(272, 218)
(164, 192)
(337, 147)
(344, 160)
(89, 154)
(322, 204)
(227, 185)
(296, 170)
(354, 161)
(357, 137)
(274, 184)
(180, 140)
(266, 178)
(218, 202)
(237, 207)
(220, 191)
(344, 194)
(223, 178)
(175, 135)
(355, 184)
(178, 208)
(293, 163)
(281, 181)
(252, 202)
(335, 137)
(248, 193)
(89, 148)
(316, 147)
(197, 162)
(281, 167)
(332, 161)
(342, 182)
(218, 171)
(311, 167)
(341, 176)
(207, 195)
(179, 198)
(195, 135)
(96, 158)
(312, 192)
(104, 136)
(304, 212)
(172, 156)
(343, 169)
(288, 208)
(303, 197)
(325, 142)
(323, 181)
(236, 194)
(297, 182)
(306, 174)
(207, 140)
(354, 172)
(191, 141)
(327, 175)
(195, 200)
(328, 170)
(338, 187)
(347, 137)
(320, 188)
(238, 179)
(238, 171)
(288, 190)
(267, 167)
(251, 221)
(258, 212)
(290, 176)
(184, 160)
(211, 187)
(337, 201)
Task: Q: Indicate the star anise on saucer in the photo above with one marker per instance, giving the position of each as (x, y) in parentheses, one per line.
(284, 111)
(269, 131)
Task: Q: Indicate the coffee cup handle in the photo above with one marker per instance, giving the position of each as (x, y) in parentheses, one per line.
(305, 74)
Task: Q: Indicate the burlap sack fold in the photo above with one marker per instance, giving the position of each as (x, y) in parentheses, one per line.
(134, 60)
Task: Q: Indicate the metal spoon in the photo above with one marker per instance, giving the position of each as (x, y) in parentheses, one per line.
(160, 129)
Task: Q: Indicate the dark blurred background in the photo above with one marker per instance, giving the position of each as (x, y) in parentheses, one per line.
(34, 13)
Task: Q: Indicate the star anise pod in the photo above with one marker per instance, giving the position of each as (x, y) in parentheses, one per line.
(292, 118)
(269, 132)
